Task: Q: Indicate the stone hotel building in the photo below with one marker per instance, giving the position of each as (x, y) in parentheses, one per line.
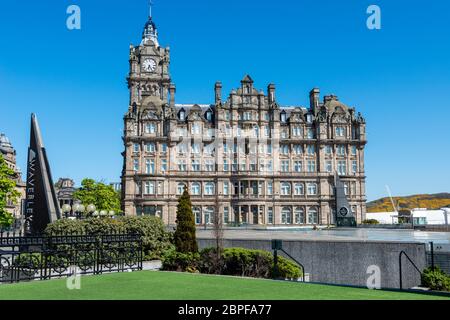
(246, 157)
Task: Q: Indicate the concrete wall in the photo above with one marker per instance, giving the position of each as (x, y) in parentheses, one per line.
(345, 262)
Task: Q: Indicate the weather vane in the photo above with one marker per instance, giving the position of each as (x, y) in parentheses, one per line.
(150, 3)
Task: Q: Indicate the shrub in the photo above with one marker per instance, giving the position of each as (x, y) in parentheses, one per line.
(247, 263)
(184, 236)
(436, 279)
(178, 261)
(288, 269)
(155, 239)
(370, 221)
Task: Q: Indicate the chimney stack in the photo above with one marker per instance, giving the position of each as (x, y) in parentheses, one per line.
(218, 92)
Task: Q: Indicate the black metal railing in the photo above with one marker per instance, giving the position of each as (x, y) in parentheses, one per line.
(403, 253)
(55, 256)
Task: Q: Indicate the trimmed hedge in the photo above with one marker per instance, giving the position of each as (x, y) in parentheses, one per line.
(233, 261)
(370, 221)
(436, 279)
(155, 239)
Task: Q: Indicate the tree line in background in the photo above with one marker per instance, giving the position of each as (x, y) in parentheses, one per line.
(8, 193)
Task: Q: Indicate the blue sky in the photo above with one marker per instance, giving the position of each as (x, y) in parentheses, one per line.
(398, 77)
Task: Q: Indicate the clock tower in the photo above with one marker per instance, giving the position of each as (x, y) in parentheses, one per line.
(151, 103)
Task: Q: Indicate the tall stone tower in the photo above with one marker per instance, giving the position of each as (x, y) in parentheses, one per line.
(151, 102)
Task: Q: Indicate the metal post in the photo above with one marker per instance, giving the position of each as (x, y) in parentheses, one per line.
(275, 263)
(432, 255)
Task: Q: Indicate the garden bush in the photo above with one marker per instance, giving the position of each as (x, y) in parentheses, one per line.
(436, 279)
(370, 221)
(173, 260)
(155, 239)
(246, 263)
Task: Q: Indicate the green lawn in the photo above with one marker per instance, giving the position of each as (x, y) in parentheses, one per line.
(151, 285)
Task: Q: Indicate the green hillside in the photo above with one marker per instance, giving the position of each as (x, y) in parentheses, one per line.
(429, 201)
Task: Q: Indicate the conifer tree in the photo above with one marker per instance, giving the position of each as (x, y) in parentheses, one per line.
(184, 237)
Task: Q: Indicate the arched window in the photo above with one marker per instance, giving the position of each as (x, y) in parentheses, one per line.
(286, 215)
(209, 189)
(180, 188)
(195, 189)
(313, 216)
(197, 214)
(299, 215)
(299, 189)
(285, 188)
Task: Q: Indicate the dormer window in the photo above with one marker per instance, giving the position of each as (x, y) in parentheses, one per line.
(309, 118)
(283, 117)
(208, 116)
(182, 115)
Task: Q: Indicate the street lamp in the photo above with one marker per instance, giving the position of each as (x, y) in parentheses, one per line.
(66, 208)
(90, 209)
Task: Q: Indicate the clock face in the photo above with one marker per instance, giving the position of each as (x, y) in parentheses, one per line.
(343, 211)
(149, 65)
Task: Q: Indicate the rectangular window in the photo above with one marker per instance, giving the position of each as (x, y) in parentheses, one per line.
(150, 128)
(311, 166)
(329, 166)
(243, 166)
(297, 166)
(163, 165)
(235, 166)
(182, 166)
(226, 166)
(328, 150)
(342, 167)
(284, 149)
(285, 166)
(136, 148)
(269, 188)
(226, 188)
(209, 165)
(312, 189)
(149, 188)
(340, 131)
(270, 215)
(150, 147)
(195, 148)
(353, 150)
(136, 165)
(297, 131)
(149, 166)
(226, 215)
(269, 148)
(354, 166)
(340, 150)
(270, 166)
(252, 166)
(310, 133)
(163, 147)
(196, 165)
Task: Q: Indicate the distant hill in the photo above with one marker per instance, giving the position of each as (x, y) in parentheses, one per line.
(429, 201)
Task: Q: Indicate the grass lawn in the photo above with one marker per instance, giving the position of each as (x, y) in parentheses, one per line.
(152, 285)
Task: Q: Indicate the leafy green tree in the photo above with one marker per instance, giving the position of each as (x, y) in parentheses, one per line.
(8, 192)
(103, 196)
(184, 236)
